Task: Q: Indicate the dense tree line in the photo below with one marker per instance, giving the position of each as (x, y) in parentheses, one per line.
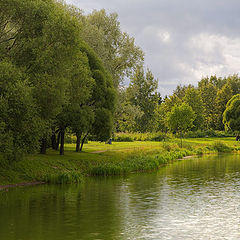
(63, 71)
(60, 71)
(144, 110)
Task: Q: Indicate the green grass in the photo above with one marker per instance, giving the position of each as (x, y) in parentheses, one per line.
(100, 159)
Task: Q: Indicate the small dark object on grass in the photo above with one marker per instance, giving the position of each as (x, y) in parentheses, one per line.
(109, 141)
(238, 138)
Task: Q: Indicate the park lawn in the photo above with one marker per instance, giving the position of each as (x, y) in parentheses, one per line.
(104, 159)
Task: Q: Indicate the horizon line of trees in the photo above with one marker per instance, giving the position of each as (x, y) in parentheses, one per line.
(62, 71)
(143, 109)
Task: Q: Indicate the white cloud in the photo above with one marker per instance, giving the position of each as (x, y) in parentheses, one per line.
(182, 40)
(164, 35)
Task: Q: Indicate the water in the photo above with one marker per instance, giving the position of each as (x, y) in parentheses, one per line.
(190, 199)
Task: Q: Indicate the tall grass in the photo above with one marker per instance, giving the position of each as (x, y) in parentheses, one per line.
(130, 137)
(138, 163)
(66, 177)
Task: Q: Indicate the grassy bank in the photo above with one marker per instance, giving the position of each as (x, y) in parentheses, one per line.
(99, 159)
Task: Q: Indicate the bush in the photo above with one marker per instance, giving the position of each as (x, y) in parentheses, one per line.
(207, 133)
(221, 147)
(123, 138)
(130, 137)
(199, 151)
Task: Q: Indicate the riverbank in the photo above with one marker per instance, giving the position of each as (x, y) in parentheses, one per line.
(99, 159)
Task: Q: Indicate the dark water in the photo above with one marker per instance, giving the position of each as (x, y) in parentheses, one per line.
(190, 199)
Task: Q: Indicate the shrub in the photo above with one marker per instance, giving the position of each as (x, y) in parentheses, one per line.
(130, 137)
(221, 147)
(207, 133)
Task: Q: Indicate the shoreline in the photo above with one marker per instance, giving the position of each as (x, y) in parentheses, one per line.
(102, 160)
(24, 184)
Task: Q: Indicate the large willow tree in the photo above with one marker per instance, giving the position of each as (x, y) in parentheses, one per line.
(46, 75)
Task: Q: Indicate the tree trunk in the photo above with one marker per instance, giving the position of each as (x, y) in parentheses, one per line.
(181, 138)
(62, 133)
(43, 147)
(54, 141)
(58, 141)
(78, 142)
(83, 140)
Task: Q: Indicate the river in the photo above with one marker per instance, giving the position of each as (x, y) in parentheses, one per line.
(195, 198)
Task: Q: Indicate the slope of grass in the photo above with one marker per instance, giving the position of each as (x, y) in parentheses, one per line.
(103, 159)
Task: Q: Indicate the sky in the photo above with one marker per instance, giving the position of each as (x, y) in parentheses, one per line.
(183, 40)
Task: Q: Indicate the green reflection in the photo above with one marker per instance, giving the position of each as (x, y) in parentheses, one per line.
(181, 200)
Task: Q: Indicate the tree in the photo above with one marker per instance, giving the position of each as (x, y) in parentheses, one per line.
(208, 92)
(126, 114)
(180, 90)
(223, 96)
(181, 118)
(102, 100)
(142, 93)
(234, 82)
(163, 109)
(43, 42)
(231, 116)
(116, 49)
(20, 125)
(193, 99)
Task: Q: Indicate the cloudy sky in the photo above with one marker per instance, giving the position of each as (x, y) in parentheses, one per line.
(183, 40)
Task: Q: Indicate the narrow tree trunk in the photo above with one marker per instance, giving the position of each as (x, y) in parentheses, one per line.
(54, 141)
(62, 133)
(78, 142)
(43, 147)
(83, 140)
(181, 138)
(58, 141)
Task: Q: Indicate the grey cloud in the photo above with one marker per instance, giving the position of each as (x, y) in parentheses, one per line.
(182, 39)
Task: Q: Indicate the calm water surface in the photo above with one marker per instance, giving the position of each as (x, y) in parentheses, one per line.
(190, 199)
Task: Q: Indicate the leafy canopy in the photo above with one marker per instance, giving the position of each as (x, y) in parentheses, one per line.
(181, 118)
(231, 115)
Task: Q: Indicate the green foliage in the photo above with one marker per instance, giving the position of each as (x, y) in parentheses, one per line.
(193, 99)
(231, 116)
(126, 114)
(116, 49)
(130, 137)
(221, 147)
(64, 178)
(138, 163)
(223, 96)
(206, 133)
(142, 93)
(181, 118)
(20, 125)
(102, 127)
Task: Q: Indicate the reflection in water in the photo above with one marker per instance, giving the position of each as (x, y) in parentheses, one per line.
(191, 199)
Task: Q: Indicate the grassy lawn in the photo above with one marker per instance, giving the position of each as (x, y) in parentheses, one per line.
(104, 159)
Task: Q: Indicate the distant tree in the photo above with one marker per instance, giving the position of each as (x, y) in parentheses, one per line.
(163, 109)
(223, 96)
(115, 48)
(126, 113)
(142, 92)
(234, 82)
(181, 118)
(180, 90)
(208, 92)
(231, 116)
(193, 99)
